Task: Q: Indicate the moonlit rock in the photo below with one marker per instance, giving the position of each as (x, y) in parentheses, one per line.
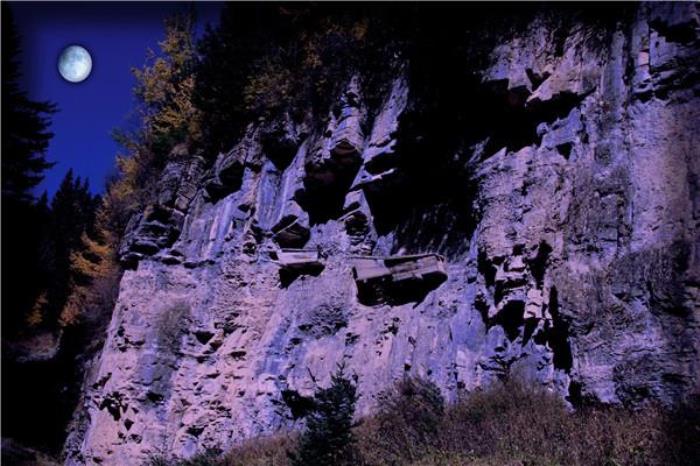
(75, 64)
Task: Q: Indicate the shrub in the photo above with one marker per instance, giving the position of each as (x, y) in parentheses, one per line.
(205, 458)
(168, 325)
(515, 422)
(328, 437)
(409, 420)
(509, 422)
(265, 451)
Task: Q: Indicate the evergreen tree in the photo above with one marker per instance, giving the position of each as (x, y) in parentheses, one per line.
(72, 215)
(246, 32)
(164, 86)
(46, 261)
(25, 123)
(25, 138)
(328, 438)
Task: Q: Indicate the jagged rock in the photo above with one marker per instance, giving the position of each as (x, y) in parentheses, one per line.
(292, 230)
(280, 139)
(347, 141)
(334, 158)
(159, 225)
(356, 214)
(380, 154)
(150, 232)
(227, 173)
(578, 267)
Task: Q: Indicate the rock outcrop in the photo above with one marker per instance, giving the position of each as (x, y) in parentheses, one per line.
(569, 235)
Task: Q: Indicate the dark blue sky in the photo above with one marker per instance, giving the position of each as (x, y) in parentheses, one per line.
(117, 36)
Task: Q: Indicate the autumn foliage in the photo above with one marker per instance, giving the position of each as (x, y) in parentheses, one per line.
(166, 117)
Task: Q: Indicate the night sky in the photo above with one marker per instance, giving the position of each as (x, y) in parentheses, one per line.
(117, 36)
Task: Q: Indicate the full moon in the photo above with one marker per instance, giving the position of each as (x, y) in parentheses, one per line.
(75, 64)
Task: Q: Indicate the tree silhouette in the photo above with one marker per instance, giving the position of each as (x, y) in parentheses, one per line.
(72, 215)
(25, 138)
(25, 123)
(328, 438)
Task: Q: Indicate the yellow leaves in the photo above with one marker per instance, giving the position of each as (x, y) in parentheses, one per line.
(128, 166)
(268, 87)
(309, 70)
(36, 315)
(179, 118)
(360, 28)
(91, 268)
(165, 86)
(178, 44)
(72, 310)
(94, 261)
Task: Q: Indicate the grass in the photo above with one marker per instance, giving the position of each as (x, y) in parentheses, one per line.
(510, 423)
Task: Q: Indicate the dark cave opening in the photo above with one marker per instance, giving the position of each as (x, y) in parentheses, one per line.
(530, 327)
(538, 264)
(397, 294)
(486, 268)
(511, 318)
(565, 149)
(325, 187)
(426, 196)
(290, 232)
(287, 276)
(575, 396)
(558, 334)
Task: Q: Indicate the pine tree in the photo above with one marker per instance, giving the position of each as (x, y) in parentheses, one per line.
(72, 215)
(328, 438)
(45, 261)
(165, 85)
(25, 123)
(25, 138)
(167, 117)
(94, 268)
(228, 54)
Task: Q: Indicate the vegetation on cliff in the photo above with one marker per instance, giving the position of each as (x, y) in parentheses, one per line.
(260, 63)
(509, 422)
(328, 437)
(195, 100)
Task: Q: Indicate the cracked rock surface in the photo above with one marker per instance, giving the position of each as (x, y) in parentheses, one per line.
(570, 237)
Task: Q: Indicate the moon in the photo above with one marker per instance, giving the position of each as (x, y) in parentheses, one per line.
(75, 64)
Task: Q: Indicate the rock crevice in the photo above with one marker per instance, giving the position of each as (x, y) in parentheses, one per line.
(563, 228)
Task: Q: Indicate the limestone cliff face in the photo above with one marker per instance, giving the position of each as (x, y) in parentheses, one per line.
(567, 218)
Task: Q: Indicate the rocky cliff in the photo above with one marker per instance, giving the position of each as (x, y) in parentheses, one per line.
(546, 227)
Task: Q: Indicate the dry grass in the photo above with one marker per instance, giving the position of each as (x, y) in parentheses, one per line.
(506, 424)
(515, 423)
(266, 451)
